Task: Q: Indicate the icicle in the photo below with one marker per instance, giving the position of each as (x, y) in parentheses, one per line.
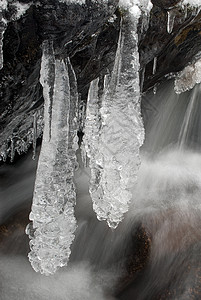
(54, 224)
(92, 130)
(170, 21)
(3, 152)
(154, 65)
(114, 130)
(34, 134)
(12, 149)
(3, 25)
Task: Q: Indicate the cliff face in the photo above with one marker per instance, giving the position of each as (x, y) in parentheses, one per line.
(88, 34)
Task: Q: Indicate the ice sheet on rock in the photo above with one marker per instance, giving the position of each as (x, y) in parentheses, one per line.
(114, 130)
(53, 221)
(188, 78)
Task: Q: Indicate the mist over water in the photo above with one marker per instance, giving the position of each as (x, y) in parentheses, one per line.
(166, 200)
(16, 185)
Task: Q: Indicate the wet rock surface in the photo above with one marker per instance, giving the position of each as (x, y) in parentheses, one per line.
(88, 34)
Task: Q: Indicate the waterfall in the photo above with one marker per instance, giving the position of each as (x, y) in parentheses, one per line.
(53, 222)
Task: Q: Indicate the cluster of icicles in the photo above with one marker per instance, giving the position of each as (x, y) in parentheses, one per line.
(113, 131)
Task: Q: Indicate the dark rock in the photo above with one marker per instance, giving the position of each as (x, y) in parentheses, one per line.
(165, 3)
(87, 35)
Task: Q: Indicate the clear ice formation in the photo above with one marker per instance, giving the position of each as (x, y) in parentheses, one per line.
(114, 129)
(3, 25)
(188, 77)
(170, 21)
(53, 221)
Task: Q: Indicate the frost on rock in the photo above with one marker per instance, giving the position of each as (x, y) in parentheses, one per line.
(195, 3)
(114, 130)
(53, 221)
(188, 78)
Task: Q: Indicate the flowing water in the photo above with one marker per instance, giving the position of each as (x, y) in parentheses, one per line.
(166, 200)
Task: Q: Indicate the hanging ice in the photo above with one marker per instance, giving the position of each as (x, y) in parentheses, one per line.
(3, 25)
(54, 224)
(170, 21)
(114, 130)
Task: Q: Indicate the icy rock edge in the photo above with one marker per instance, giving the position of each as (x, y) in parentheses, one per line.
(188, 77)
(52, 215)
(114, 130)
(191, 74)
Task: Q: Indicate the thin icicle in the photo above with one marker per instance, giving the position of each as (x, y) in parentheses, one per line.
(34, 134)
(170, 21)
(114, 130)
(54, 224)
(3, 25)
(3, 152)
(12, 149)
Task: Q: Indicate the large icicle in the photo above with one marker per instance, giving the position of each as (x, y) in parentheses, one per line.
(54, 224)
(114, 130)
